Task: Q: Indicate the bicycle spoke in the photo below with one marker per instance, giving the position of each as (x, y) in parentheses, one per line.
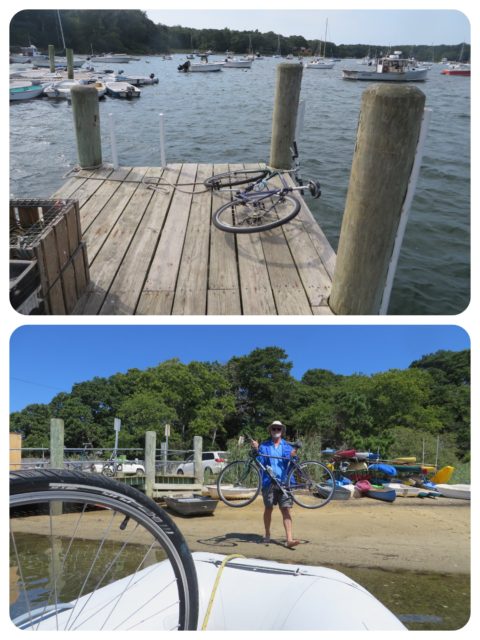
(311, 484)
(239, 483)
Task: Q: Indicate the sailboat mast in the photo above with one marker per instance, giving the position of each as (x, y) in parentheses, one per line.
(61, 30)
(325, 42)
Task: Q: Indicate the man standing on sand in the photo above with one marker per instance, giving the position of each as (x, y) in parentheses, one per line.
(275, 453)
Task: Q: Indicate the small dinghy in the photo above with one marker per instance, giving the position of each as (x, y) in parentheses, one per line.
(231, 493)
(231, 598)
(459, 491)
(122, 90)
(192, 506)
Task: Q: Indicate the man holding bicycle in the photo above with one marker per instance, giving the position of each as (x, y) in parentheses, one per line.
(275, 454)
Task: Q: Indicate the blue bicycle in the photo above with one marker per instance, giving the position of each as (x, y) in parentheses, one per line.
(309, 483)
(261, 205)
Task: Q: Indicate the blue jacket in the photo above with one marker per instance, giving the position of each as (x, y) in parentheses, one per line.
(268, 455)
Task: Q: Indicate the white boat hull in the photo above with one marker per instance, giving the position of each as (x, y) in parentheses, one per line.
(209, 66)
(122, 90)
(460, 491)
(309, 597)
(25, 92)
(238, 64)
(413, 75)
(320, 65)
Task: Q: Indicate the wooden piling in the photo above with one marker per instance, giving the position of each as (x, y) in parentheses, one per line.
(287, 96)
(51, 57)
(197, 458)
(86, 117)
(150, 455)
(387, 136)
(57, 443)
(70, 73)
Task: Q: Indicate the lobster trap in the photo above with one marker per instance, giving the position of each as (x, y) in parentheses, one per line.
(48, 259)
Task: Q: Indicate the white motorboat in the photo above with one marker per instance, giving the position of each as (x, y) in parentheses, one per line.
(24, 90)
(203, 66)
(460, 491)
(122, 90)
(312, 598)
(392, 68)
(60, 90)
(320, 63)
(112, 57)
(137, 81)
(27, 54)
(238, 63)
(60, 63)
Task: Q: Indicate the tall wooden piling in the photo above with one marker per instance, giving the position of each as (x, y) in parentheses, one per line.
(197, 458)
(387, 136)
(57, 443)
(51, 57)
(86, 116)
(287, 96)
(150, 455)
(70, 72)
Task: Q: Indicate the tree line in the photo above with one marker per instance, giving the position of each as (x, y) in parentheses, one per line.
(392, 411)
(131, 31)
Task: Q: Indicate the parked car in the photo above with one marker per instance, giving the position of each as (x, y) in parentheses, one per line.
(131, 467)
(212, 462)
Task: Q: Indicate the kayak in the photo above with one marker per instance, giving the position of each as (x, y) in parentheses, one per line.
(460, 491)
(443, 475)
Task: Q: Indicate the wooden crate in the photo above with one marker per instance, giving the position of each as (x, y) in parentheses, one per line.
(48, 231)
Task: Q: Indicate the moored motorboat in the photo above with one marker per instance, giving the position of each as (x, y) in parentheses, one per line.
(137, 81)
(24, 90)
(392, 68)
(191, 506)
(203, 66)
(238, 63)
(112, 57)
(320, 63)
(122, 90)
(229, 599)
(460, 69)
(61, 90)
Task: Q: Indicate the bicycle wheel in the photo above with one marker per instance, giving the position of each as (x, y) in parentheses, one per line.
(239, 483)
(311, 484)
(256, 214)
(93, 553)
(235, 177)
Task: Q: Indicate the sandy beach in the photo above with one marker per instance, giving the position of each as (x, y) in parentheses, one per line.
(431, 535)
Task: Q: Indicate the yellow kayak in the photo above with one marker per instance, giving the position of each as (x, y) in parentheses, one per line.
(443, 475)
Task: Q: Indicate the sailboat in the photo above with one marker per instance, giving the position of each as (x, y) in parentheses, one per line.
(278, 54)
(321, 62)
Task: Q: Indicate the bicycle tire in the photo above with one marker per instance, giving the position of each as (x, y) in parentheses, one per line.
(252, 216)
(235, 178)
(239, 483)
(73, 503)
(311, 484)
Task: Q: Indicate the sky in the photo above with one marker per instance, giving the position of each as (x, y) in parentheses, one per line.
(45, 360)
(344, 27)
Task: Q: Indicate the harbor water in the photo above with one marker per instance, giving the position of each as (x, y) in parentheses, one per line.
(226, 117)
(422, 601)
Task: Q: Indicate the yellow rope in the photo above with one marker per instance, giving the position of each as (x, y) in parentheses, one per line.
(215, 587)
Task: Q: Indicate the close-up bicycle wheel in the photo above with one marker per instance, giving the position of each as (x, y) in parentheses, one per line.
(91, 553)
(256, 214)
(311, 484)
(235, 177)
(239, 483)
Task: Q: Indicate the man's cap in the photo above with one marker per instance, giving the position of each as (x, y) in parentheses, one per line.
(276, 423)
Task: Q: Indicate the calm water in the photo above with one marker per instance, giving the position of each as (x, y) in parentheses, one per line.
(423, 601)
(226, 117)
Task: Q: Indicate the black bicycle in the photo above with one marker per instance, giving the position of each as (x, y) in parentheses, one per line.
(91, 553)
(309, 483)
(265, 203)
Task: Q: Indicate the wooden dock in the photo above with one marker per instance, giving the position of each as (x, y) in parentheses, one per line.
(153, 250)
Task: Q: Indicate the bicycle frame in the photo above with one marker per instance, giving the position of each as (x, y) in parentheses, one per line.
(253, 458)
(249, 193)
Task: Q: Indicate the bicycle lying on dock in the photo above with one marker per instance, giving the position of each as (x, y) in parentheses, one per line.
(264, 203)
(309, 483)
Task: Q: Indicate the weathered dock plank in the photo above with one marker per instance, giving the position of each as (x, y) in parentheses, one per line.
(153, 250)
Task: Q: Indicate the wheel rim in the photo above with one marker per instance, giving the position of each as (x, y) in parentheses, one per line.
(238, 484)
(256, 214)
(311, 485)
(108, 555)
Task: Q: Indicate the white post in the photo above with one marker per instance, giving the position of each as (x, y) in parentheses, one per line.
(113, 141)
(407, 203)
(162, 141)
(116, 426)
